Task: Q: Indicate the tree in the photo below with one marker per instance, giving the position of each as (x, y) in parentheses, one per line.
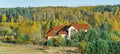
(52, 24)
(6, 31)
(12, 21)
(4, 18)
(50, 43)
(19, 19)
(97, 47)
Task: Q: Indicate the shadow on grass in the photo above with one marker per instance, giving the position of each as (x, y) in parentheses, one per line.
(68, 51)
(39, 49)
(42, 50)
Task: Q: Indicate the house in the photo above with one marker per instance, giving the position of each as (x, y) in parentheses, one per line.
(66, 30)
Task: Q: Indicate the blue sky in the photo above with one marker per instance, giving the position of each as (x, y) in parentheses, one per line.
(71, 3)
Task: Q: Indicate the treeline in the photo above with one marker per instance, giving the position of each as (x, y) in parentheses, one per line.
(34, 22)
(94, 15)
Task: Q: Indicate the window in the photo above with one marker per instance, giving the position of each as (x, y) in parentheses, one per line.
(72, 30)
(55, 31)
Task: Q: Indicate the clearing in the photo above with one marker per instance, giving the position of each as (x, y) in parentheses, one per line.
(6, 48)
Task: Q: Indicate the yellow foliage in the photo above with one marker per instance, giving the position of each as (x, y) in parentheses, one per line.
(19, 19)
(82, 22)
(59, 39)
(10, 37)
(4, 38)
(115, 38)
(83, 44)
(4, 18)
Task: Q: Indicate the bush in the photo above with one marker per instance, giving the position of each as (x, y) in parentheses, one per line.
(23, 39)
(63, 42)
(68, 42)
(83, 45)
(50, 43)
(3, 38)
(28, 42)
(42, 42)
(54, 42)
(8, 38)
(73, 43)
(97, 47)
(114, 47)
(19, 41)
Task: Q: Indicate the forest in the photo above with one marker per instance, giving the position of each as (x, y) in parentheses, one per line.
(30, 24)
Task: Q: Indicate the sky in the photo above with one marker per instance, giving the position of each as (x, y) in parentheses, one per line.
(42, 3)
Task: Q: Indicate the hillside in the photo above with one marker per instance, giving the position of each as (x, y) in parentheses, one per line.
(29, 25)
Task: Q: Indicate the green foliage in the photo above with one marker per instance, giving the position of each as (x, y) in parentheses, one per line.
(97, 47)
(68, 42)
(105, 26)
(73, 43)
(91, 35)
(97, 41)
(105, 35)
(114, 47)
(50, 43)
(52, 24)
(5, 31)
(104, 8)
(57, 42)
(63, 42)
(0, 41)
(54, 42)
(23, 38)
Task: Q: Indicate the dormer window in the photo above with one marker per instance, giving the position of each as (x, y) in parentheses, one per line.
(55, 31)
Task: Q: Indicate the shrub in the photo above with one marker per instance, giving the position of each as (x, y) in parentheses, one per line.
(54, 42)
(68, 42)
(97, 47)
(10, 38)
(114, 47)
(23, 39)
(28, 42)
(42, 42)
(83, 45)
(73, 43)
(19, 41)
(63, 42)
(50, 43)
(3, 38)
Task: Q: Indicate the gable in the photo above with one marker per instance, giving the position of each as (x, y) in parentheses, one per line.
(72, 27)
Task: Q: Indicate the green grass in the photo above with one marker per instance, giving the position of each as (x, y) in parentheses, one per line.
(6, 48)
(0, 41)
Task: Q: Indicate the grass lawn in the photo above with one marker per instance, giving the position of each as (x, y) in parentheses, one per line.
(6, 48)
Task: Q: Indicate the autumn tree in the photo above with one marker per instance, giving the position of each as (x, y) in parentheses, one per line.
(4, 18)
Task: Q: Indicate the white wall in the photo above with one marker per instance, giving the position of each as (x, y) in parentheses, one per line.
(63, 35)
(49, 37)
(69, 31)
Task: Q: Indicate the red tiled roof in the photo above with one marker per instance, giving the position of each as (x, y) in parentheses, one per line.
(80, 26)
(61, 29)
(55, 31)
